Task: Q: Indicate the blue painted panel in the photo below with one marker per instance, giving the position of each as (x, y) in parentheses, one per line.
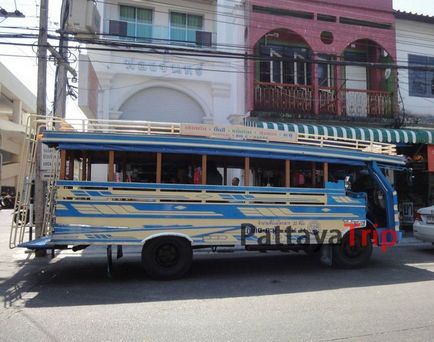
(210, 211)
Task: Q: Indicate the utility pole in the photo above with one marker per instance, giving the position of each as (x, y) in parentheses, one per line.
(39, 194)
(62, 66)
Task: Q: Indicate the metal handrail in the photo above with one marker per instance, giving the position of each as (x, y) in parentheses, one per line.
(165, 128)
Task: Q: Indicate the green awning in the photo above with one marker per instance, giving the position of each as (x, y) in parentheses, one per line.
(385, 135)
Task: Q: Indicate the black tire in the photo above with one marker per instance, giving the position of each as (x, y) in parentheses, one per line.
(346, 256)
(167, 258)
(7, 203)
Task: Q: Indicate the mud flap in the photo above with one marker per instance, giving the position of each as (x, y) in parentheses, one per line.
(326, 255)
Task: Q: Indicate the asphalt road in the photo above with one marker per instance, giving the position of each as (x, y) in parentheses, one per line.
(227, 297)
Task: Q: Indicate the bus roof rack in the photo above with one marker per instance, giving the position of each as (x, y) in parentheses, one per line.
(232, 132)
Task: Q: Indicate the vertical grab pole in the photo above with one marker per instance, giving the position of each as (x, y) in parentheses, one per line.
(62, 165)
(71, 166)
(326, 173)
(84, 167)
(111, 163)
(287, 173)
(247, 171)
(313, 174)
(158, 171)
(89, 168)
(204, 169)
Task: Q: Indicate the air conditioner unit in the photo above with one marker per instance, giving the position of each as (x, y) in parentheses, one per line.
(118, 28)
(83, 17)
(203, 39)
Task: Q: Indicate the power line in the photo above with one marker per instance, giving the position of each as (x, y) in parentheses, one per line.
(236, 46)
(205, 69)
(186, 52)
(21, 35)
(191, 68)
(314, 9)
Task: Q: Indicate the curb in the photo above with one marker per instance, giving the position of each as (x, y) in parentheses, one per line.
(409, 241)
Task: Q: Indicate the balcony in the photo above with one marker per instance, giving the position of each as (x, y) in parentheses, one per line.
(283, 98)
(159, 35)
(342, 104)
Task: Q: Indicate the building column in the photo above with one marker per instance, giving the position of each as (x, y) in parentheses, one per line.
(230, 29)
(315, 84)
(230, 23)
(339, 93)
(104, 97)
(17, 111)
(395, 94)
(221, 96)
(375, 74)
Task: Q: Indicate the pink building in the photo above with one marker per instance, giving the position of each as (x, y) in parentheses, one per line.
(313, 60)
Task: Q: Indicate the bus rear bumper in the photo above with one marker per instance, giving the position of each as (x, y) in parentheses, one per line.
(41, 243)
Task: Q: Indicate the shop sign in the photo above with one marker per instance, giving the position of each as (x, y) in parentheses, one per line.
(407, 216)
(165, 68)
(237, 132)
(46, 162)
(430, 158)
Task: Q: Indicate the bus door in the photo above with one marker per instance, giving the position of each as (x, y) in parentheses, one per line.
(391, 231)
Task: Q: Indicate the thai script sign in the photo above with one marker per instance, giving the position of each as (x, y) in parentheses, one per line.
(237, 132)
(163, 67)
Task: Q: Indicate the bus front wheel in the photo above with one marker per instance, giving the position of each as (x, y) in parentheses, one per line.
(167, 258)
(354, 251)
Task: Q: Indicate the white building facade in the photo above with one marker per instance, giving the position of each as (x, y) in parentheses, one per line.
(16, 102)
(174, 78)
(415, 47)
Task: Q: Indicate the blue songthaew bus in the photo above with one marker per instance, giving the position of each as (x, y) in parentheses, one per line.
(174, 188)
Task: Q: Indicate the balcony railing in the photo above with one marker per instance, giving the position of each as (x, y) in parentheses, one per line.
(159, 35)
(328, 101)
(345, 103)
(277, 97)
(367, 103)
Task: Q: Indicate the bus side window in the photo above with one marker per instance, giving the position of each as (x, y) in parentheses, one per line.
(309, 174)
(221, 170)
(137, 167)
(96, 166)
(181, 168)
(268, 172)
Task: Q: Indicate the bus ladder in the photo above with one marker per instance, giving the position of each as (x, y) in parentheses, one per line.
(23, 198)
(51, 194)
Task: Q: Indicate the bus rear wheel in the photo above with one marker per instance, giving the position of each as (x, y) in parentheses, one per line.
(167, 258)
(352, 252)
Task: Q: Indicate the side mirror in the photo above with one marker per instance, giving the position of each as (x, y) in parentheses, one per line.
(410, 176)
(348, 183)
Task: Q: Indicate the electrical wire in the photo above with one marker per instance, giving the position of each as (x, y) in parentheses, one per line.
(208, 55)
(185, 52)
